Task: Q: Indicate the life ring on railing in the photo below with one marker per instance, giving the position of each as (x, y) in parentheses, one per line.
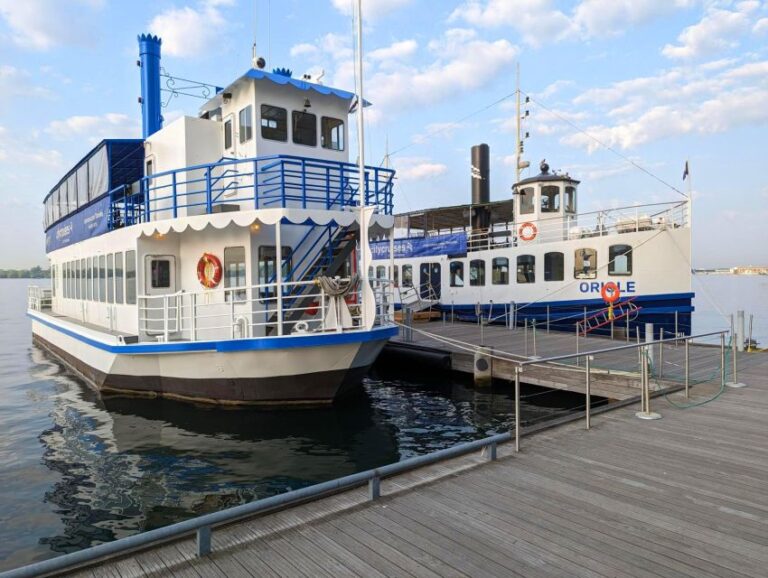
(527, 231)
(209, 270)
(610, 292)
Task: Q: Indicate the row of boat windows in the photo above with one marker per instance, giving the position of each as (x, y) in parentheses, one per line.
(107, 278)
(585, 267)
(274, 126)
(87, 183)
(550, 199)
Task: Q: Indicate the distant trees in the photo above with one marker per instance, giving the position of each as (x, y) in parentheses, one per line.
(33, 273)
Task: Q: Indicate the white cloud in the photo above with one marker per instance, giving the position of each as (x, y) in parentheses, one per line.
(395, 51)
(418, 168)
(304, 49)
(94, 128)
(718, 30)
(16, 151)
(761, 26)
(189, 31)
(541, 22)
(17, 83)
(372, 9)
(44, 24)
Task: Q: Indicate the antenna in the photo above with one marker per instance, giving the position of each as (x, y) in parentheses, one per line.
(520, 164)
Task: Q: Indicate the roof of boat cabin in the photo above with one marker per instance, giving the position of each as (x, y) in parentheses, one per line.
(455, 217)
(544, 177)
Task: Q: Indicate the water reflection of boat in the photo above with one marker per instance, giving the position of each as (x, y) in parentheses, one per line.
(130, 465)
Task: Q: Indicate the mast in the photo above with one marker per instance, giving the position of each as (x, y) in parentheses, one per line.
(366, 294)
(519, 142)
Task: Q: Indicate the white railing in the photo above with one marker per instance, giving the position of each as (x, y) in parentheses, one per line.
(257, 311)
(651, 217)
(38, 298)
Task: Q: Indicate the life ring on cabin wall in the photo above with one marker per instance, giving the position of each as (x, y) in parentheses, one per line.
(610, 292)
(527, 231)
(209, 270)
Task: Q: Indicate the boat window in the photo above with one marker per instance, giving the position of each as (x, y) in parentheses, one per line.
(234, 273)
(119, 278)
(88, 279)
(370, 272)
(110, 278)
(71, 193)
(56, 206)
(477, 272)
(585, 264)
(526, 200)
(332, 135)
(82, 272)
(554, 266)
(246, 124)
(381, 272)
(550, 199)
(161, 274)
(407, 275)
(76, 292)
(526, 269)
(304, 128)
(570, 199)
(228, 134)
(457, 274)
(64, 276)
(53, 280)
(102, 278)
(620, 260)
(267, 269)
(82, 185)
(500, 271)
(274, 123)
(149, 168)
(95, 277)
(397, 276)
(130, 277)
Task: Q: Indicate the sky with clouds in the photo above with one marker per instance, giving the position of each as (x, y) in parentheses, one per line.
(612, 82)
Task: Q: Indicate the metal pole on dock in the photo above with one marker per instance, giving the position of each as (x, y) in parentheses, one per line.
(687, 367)
(587, 390)
(677, 333)
(661, 353)
(722, 359)
(739, 332)
(517, 408)
(577, 343)
(734, 352)
(526, 337)
(627, 331)
(649, 339)
(547, 318)
(534, 337)
(645, 406)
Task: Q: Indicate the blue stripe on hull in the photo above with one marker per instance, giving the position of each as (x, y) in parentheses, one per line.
(255, 344)
(563, 315)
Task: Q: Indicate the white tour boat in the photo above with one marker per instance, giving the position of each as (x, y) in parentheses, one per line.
(535, 258)
(216, 258)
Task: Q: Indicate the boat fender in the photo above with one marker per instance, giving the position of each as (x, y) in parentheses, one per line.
(300, 327)
(209, 270)
(610, 292)
(528, 231)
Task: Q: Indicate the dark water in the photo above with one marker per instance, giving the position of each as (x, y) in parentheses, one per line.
(77, 469)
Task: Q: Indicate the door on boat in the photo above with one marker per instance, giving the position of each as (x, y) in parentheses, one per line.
(161, 309)
(429, 280)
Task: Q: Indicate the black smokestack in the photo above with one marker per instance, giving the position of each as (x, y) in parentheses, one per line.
(481, 186)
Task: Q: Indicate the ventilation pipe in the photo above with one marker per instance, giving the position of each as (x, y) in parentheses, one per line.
(149, 55)
(481, 187)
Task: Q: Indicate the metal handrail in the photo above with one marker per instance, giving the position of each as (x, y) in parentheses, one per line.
(203, 525)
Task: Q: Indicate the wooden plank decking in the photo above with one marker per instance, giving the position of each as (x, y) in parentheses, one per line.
(615, 375)
(682, 496)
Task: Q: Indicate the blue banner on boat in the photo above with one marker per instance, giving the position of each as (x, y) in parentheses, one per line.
(88, 222)
(455, 244)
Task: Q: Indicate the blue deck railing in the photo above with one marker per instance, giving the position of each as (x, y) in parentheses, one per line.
(255, 183)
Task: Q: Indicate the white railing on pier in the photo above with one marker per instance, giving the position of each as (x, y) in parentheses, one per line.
(650, 217)
(265, 310)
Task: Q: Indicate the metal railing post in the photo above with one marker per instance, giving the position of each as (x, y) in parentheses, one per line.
(677, 332)
(661, 353)
(165, 318)
(203, 541)
(687, 368)
(534, 336)
(587, 388)
(627, 330)
(491, 453)
(208, 192)
(517, 408)
(735, 338)
(374, 488)
(547, 318)
(193, 322)
(526, 336)
(722, 359)
(175, 198)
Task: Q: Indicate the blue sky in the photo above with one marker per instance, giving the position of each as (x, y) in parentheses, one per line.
(657, 80)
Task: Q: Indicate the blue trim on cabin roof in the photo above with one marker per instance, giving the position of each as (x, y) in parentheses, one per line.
(254, 344)
(300, 84)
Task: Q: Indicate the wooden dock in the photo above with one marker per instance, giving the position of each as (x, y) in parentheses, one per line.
(681, 496)
(615, 376)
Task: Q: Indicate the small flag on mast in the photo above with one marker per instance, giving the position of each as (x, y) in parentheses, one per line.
(685, 172)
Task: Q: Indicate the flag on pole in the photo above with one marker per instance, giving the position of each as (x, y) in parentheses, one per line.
(685, 172)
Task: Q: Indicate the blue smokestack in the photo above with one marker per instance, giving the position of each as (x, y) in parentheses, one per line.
(149, 53)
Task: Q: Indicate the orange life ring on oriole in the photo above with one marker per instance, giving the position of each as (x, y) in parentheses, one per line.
(209, 270)
(610, 292)
(527, 231)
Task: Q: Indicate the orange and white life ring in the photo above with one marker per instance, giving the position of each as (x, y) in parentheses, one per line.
(209, 270)
(610, 292)
(527, 231)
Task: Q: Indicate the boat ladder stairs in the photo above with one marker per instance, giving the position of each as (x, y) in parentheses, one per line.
(622, 310)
